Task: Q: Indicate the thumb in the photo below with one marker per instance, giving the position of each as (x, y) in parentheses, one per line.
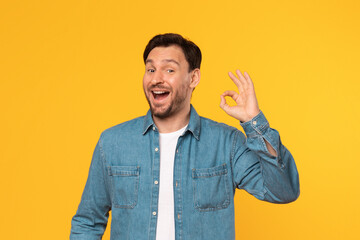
(223, 105)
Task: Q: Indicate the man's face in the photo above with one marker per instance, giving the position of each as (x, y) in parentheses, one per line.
(167, 81)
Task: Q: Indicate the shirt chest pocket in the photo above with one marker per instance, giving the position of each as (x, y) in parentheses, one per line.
(211, 188)
(125, 185)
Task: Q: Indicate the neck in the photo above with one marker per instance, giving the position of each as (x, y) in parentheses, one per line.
(174, 122)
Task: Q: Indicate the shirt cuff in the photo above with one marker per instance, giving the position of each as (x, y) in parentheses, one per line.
(257, 125)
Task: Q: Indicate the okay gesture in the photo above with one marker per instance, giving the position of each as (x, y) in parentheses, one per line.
(246, 104)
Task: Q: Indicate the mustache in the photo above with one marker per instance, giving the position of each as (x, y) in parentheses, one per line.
(159, 87)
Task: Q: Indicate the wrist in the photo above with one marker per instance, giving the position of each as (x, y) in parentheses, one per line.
(250, 117)
(257, 125)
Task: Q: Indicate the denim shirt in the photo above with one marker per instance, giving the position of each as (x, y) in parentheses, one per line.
(211, 160)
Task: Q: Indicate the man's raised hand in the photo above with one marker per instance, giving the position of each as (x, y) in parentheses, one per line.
(246, 103)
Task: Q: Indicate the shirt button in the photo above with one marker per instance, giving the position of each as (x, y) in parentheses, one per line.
(177, 150)
(154, 213)
(154, 128)
(156, 149)
(156, 182)
(254, 122)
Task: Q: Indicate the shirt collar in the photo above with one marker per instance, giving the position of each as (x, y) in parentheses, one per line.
(193, 126)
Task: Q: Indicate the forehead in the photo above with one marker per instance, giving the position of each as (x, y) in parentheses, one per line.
(167, 53)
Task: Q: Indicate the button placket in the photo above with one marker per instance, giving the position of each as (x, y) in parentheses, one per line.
(155, 182)
(177, 188)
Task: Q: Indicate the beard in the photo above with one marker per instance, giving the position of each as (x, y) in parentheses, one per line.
(171, 108)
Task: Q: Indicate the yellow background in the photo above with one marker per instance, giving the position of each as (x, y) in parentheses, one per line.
(71, 69)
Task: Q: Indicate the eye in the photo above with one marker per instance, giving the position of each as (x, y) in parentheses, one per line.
(151, 70)
(170, 71)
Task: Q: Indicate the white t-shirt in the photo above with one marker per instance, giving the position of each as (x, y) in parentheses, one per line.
(165, 229)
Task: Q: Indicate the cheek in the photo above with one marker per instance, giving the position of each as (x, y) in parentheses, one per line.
(185, 84)
(145, 81)
(145, 87)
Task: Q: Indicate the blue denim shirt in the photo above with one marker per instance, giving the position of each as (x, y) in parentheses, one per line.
(211, 161)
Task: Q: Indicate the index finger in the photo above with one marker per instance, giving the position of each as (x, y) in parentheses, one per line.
(234, 79)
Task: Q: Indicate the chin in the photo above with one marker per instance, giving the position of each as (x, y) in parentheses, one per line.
(161, 113)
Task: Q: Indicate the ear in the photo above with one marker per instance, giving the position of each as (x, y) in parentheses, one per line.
(195, 78)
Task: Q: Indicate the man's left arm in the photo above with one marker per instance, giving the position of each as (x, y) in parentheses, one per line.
(261, 165)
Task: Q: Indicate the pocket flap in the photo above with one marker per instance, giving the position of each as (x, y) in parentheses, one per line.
(209, 172)
(123, 170)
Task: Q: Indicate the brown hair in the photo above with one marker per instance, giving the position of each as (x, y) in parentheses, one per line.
(191, 50)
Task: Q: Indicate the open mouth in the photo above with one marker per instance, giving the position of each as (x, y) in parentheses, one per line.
(160, 95)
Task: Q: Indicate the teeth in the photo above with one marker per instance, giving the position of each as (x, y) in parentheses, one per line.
(159, 92)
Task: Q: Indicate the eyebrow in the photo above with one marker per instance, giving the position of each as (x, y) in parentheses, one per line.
(164, 60)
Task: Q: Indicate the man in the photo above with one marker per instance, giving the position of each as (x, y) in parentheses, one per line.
(172, 174)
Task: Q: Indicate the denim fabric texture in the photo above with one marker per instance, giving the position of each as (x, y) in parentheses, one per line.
(211, 160)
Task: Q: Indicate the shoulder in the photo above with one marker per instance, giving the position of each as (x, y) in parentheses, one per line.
(211, 124)
(214, 128)
(123, 129)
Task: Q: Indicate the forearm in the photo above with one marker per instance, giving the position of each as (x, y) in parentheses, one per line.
(270, 149)
(271, 173)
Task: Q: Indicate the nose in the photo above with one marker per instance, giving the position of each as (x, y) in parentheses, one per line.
(157, 78)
